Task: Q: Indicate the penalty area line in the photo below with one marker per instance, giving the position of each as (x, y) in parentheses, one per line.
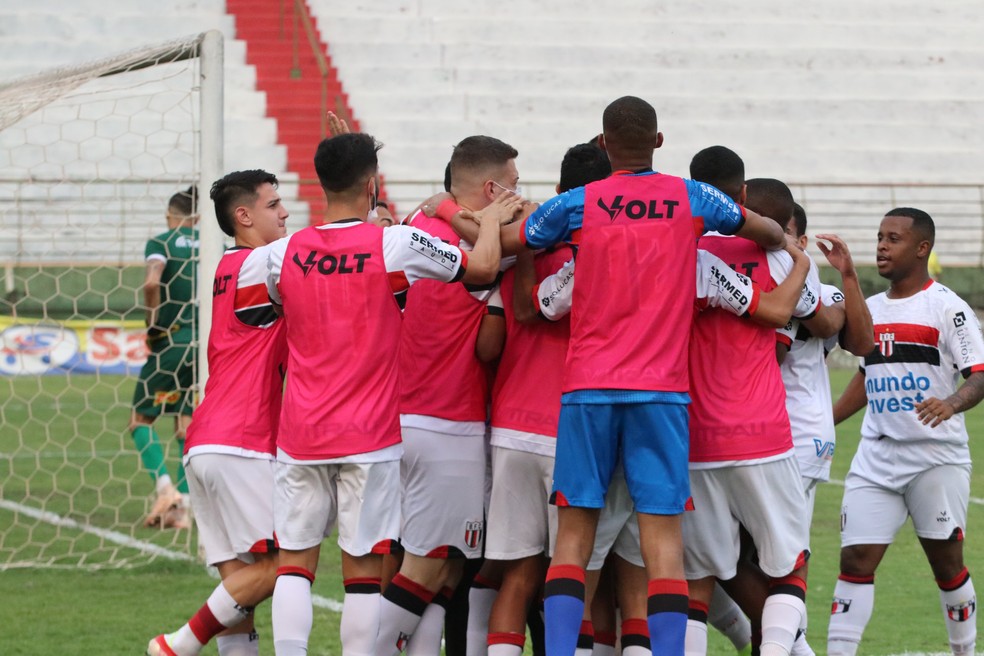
(125, 540)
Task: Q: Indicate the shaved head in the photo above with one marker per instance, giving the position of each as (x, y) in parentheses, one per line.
(630, 127)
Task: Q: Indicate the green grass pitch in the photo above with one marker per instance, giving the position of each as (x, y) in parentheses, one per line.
(115, 611)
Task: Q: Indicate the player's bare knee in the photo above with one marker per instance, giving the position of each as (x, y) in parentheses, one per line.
(860, 559)
(945, 558)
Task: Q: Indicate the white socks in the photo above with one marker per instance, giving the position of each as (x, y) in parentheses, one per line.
(854, 601)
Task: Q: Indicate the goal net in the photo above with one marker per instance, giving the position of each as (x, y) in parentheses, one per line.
(89, 157)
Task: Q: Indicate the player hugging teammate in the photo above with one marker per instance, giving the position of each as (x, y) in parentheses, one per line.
(652, 368)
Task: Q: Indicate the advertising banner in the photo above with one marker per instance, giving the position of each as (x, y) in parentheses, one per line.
(37, 347)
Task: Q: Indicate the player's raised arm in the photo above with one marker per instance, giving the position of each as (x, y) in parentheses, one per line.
(483, 259)
(856, 334)
(776, 307)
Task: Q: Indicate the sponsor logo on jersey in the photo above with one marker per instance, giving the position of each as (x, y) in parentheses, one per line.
(840, 606)
(735, 296)
(185, 242)
(825, 450)
(893, 385)
(886, 344)
(444, 257)
(220, 285)
(167, 398)
(638, 209)
(959, 320)
(329, 264)
(963, 611)
(473, 534)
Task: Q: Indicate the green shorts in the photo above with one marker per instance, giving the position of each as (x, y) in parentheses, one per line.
(166, 382)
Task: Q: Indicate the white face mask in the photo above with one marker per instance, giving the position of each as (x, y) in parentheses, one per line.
(518, 190)
(373, 216)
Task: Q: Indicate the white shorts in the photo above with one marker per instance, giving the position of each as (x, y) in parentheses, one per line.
(521, 522)
(363, 498)
(877, 503)
(766, 498)
(233, 501)
(618, 526)
(443, 493)
(810, 492)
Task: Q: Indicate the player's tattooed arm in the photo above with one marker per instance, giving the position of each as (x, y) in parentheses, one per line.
(966, 397)
(853, 399)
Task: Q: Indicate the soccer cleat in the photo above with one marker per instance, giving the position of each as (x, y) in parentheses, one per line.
(177, 516)
(159, 647)
(166, 501)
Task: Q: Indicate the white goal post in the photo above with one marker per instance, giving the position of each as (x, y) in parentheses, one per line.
(89, 156)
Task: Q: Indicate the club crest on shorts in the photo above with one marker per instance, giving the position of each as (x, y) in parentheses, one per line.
(886, 344)
(401, 641)
(963, 611)
(473, 534)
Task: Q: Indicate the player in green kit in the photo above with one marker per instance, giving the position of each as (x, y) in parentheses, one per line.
(165, 384)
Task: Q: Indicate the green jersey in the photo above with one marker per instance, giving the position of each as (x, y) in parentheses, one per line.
(178, 249)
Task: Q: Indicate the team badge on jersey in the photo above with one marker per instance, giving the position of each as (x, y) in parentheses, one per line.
(886, 344)
(962, 612)
(473, 534)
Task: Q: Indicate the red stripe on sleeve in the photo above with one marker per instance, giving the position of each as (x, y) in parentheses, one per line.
(398, 281)
(785, 340)
(251, 296)
(756, 297)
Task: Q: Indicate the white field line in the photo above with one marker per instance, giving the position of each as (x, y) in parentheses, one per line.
(132, 543)
(978, 501)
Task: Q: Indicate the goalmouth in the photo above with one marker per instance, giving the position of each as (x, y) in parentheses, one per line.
(89, 156)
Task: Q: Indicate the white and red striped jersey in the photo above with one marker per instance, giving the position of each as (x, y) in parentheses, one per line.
(247, 356)
(336, 285)
(924, 344)
(808, 400)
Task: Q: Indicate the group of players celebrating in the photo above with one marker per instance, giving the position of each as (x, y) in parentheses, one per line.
(657, 429)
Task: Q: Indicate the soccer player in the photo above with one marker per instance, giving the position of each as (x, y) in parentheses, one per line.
(626, 382)
(804, 365)
(522, 524)
(742, 466)
(443, 409)
(166, 379)
(717, 286)
(913, 458)
(338, 446)
(231, 441)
